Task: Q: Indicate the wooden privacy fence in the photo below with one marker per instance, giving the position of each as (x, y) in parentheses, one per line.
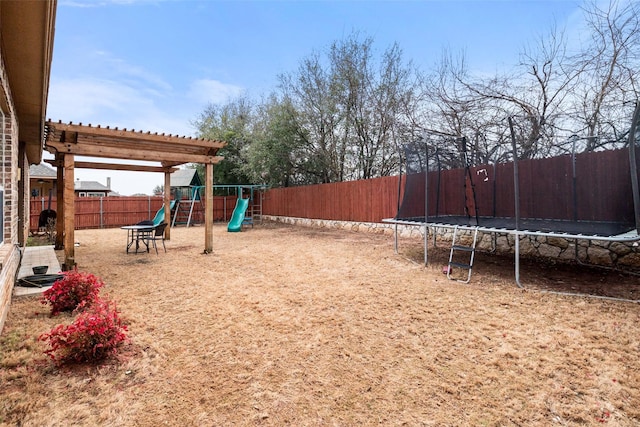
(595, 187)
(111, 212)
(368, 200)
(601, 192)
(548, 186)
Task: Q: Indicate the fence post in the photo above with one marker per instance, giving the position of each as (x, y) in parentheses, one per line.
(101, 218)
(148, 206)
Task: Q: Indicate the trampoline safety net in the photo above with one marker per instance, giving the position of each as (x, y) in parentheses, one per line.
(590, 193)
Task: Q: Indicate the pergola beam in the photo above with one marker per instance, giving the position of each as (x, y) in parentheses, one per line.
(116, 166)
(128, 144)
(129, 154)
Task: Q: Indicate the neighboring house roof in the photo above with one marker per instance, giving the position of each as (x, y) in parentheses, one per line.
(42, 171)
(90, 186)
(185, 178)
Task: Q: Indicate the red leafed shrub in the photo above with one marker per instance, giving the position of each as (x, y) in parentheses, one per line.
(75, 289)
(94, 335)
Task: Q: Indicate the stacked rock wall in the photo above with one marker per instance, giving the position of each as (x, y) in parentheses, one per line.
(623, 255)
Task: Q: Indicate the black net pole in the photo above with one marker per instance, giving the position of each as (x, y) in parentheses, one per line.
(395, 226)
(426, 200)
(471, 192)
(516, 196)
(516, 182)
(439, 178)
(634, 140)
(495, 185)
(574, 181)
(400, 181)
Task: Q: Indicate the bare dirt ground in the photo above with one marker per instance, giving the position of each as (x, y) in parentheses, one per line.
(307, 327)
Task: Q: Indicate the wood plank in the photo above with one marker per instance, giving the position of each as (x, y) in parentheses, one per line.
(208, 208)
(60, 206)
(168, 164)
(69, 213)
(119, 167)
(141, 145)
(167, 205)
(116, 166)
(59, 127)
(118, 153)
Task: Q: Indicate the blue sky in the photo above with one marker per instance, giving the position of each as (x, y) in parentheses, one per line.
(155, 65)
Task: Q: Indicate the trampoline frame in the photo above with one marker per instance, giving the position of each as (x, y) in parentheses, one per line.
(518, 232)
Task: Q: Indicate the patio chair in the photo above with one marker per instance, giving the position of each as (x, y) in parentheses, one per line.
(158, 234)
(144, 235)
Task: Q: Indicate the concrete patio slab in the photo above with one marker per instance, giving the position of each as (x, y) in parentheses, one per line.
(34, 256)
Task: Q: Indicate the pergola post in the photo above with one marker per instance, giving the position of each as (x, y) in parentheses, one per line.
(167, 204)
(208, 208)
(59, 204)
(69, 212)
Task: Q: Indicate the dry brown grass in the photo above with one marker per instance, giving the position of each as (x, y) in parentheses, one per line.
(290, 326)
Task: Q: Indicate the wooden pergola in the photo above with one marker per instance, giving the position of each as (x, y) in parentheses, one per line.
(66, 141)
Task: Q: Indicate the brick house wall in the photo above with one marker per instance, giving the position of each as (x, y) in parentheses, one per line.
(9, 184)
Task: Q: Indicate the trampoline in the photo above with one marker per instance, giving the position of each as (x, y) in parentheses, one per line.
(602, 230)
(590, 195)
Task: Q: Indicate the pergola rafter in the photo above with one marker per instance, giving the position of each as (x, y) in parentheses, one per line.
(66, 141)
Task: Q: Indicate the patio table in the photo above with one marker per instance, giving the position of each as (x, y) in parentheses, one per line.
(136, 233)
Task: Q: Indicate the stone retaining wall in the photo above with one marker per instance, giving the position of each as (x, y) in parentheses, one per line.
(625, 256)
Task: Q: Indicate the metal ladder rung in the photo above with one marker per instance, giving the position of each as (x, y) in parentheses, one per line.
(463, 248)
(460, 265)
(469, 249)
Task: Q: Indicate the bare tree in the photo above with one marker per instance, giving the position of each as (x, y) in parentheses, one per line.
(353, 109)
(452, 111)
(344, 112)
(534, 93)
(609, 68)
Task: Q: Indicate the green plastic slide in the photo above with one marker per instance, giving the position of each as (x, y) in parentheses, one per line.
(159, 218)
(238, 215)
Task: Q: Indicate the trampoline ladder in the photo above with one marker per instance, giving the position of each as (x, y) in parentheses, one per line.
(471, 250)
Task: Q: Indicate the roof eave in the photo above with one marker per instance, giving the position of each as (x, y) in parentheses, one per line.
(27, 33)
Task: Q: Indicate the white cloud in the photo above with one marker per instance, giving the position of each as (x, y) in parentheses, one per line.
(112, 103)
(84, 99)
(110, 91)
(114, 66)
(120, 94)
(206, 91)
(115, 104)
